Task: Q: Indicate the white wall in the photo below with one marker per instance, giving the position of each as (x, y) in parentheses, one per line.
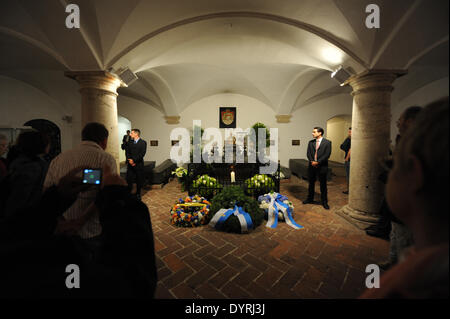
(152, 125)
(337, 132)
(249, 111)
(20, 102)
(421, 97)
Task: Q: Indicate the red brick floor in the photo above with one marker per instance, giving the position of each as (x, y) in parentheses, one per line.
(326, 259)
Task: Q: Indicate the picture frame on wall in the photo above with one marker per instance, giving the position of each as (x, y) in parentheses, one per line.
(227, 117)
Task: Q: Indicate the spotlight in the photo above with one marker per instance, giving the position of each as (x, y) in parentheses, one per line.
(128, 76)
(340, 75)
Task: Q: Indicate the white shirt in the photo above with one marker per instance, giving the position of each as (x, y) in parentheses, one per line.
(87, 154)
(320, 140)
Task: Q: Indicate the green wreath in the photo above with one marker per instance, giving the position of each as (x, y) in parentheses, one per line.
(234, 195)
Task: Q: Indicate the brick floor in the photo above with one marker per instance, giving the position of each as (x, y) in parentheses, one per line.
(326, 259)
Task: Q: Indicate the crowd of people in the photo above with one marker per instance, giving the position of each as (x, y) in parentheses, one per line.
(50, 219)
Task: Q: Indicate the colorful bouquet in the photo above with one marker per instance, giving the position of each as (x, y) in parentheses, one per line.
(192, 211)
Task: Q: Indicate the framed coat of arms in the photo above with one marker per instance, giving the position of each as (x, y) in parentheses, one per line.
(227, 117)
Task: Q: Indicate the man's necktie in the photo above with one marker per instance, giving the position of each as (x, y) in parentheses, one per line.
(317, 147)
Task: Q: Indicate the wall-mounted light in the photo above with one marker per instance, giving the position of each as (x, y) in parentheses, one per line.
(340, 75)
(127, 76)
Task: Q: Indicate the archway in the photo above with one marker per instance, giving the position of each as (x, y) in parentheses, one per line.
(53, 132)
(337, 132)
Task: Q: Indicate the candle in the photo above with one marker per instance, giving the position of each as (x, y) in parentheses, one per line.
(233, 177)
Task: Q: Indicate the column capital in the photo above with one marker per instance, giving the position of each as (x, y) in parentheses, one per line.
(283, 118)
(172, 119)
(373, 80)
(101, 80)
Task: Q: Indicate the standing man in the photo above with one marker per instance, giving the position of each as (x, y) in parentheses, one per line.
(346, 146)
(79, 217)
(135, 153)
(318, 152)
(125, 140)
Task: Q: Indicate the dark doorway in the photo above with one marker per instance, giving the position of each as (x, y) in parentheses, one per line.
(52, 131)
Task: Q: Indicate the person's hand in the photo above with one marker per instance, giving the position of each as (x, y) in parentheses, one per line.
(131, 162)
(313, 163)
(70, 185)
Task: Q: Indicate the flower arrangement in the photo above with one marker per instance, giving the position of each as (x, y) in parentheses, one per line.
(181, 174)
(258, 184)
(228, 198)
(264, 203)
(206, 186)
(192, 211)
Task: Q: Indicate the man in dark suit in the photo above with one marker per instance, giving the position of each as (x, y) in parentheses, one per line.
(125, 140)
(318, 152)
(135, 153)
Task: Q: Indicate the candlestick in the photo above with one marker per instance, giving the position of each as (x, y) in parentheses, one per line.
(233, 179)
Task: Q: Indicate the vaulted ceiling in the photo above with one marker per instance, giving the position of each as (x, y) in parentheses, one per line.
(280, 52)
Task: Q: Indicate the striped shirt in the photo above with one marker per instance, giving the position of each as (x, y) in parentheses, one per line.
(90, 155)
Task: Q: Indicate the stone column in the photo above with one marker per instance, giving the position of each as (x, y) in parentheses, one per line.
(99, 103)
(371, 121)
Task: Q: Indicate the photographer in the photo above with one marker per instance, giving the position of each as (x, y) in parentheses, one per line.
(35, 259)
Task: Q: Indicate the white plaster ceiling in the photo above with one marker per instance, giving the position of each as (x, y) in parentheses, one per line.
(280, 52)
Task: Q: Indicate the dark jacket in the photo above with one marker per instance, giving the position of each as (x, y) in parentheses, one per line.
(25, 180)
(125, 141)
(346, 145)
(34, 260)
(323, 153)
(136, 151)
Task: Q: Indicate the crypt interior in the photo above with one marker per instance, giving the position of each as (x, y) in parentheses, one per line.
(159, 65)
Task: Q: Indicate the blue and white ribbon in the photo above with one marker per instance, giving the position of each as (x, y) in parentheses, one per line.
(223, 214)
(276, 204)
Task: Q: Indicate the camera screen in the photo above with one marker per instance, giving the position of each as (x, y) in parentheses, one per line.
(92, 176)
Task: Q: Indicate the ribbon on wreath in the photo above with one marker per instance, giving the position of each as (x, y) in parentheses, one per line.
(223, 214)
(276, 204)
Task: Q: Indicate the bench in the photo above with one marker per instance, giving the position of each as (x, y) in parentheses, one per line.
(162, 172)
(299, 167)
(148, 171)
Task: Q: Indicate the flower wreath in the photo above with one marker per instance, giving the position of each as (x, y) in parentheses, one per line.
(190, 212)
(264, 203)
